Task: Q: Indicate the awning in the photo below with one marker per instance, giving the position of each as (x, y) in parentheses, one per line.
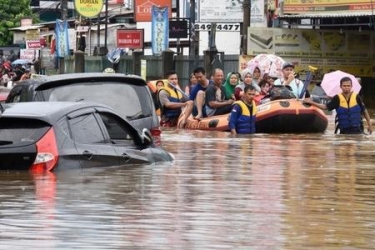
(125, 25)
(28, 27)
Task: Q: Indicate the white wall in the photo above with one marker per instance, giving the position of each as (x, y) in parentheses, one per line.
(228, 42)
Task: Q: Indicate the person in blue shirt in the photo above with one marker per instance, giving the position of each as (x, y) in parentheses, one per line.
(198, 92)
(243, 116)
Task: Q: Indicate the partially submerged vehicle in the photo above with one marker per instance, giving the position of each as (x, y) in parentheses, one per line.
(41, 136)
(128, 95)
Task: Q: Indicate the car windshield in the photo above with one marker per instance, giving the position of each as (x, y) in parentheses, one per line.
(21, 131)
(130, 101)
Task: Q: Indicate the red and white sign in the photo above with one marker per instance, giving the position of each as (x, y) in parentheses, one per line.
(113, 2)
(33, 44)
(143, 9)
(132, 39)
(29, 54)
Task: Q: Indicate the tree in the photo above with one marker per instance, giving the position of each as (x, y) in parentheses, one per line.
(11, 13)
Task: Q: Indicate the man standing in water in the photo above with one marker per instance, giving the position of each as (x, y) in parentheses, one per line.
(349, 108)
(243, 116)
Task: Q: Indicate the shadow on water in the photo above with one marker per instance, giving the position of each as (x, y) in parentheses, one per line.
(311, 191)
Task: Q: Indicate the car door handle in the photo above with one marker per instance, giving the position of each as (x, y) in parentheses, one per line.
(88, 154)
(126, 157)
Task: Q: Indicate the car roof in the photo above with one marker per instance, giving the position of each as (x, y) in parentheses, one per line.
(49, 112)
(44, 81)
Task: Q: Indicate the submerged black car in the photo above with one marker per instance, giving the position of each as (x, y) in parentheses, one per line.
(128, 95)
(44, 136)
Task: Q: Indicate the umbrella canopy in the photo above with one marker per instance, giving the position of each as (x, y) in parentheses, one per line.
(331, 83)
(268, 64)
(21, 62)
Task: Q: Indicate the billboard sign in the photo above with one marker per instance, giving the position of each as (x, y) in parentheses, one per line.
(325, 7)
(143, 9)
(132, 39)
(348, 51)
(229, 11)
(88, 8)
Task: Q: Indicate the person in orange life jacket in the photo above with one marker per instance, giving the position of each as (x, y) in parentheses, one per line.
(173, 102)
(289, 80)
(243, 116)
(216, 102)
(349, 108)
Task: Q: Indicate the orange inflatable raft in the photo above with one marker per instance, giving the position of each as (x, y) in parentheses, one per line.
(278, 116)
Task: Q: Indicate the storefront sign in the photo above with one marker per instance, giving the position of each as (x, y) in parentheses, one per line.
(143, 9)
(131, 39)
(326, 7)
(160, 30)
(62, 38)
(178, 29)
(229, 11)
(29, 54)
(350, 51)
(32, 35)
(88, 8)
(33, 44)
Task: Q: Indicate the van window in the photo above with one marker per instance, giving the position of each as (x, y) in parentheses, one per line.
(129, 101)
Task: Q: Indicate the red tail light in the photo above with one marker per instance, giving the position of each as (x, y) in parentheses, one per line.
(156, 135)
(47, 153)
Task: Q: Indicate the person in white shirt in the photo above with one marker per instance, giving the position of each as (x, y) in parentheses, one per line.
(289, 79)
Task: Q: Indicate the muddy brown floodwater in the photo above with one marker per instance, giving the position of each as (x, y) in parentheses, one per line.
(311, 191)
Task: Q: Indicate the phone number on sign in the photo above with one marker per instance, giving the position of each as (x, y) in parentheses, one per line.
(219, 26)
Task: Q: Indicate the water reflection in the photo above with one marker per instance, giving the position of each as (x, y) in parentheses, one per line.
(222, 192)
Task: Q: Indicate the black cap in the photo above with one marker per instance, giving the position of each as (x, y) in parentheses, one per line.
(287, 65)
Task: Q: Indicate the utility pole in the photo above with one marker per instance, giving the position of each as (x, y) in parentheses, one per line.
(246, 5)
(178, 19)
(192, 37)
(64, 14)
(106, 25)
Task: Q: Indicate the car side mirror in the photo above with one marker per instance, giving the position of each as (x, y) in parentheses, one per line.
(146, 137)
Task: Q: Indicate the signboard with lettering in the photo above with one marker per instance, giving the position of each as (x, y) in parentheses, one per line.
(219, 26)
(32, 34)
(159, 30)
(350, 51)
(143, 9)
(178, 29)
(32, 38)
(229, 11)
(88, 8)
(132, 39)
(326, 7)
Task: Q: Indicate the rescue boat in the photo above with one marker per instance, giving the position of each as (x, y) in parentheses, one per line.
(278, 116)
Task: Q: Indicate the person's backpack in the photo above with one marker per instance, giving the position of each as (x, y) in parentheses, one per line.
(281, 92)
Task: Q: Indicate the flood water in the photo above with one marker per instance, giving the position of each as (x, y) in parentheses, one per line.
(311, 191)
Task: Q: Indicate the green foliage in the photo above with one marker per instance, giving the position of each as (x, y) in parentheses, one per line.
(11, 13)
